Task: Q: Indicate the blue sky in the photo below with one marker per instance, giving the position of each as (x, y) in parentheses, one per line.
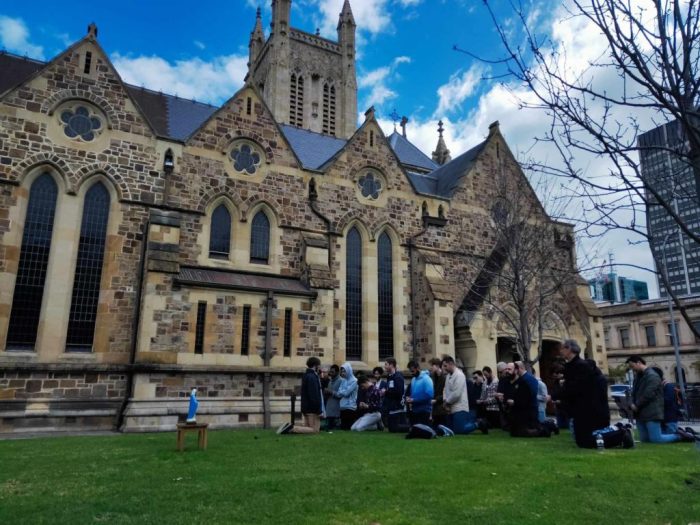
(405, 61)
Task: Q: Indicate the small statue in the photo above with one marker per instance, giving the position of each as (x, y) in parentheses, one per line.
(192, 412)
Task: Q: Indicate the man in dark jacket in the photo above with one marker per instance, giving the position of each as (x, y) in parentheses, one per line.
(438, 377)
(393, 403)
(523, 411)
(648, 404)
(311, 401)
(584, 397)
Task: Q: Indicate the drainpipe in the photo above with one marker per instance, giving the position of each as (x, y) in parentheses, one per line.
(414, 315)
(135, 327)
(267, 356)
(313, 196)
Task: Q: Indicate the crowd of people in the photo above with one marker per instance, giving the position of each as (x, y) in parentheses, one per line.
(443, 401)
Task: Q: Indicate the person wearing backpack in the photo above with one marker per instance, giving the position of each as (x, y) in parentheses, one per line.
(672, 404)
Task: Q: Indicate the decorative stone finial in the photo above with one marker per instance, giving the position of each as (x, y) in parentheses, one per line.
(318, 31)
(494, 127)
(404, 121)
(369, 114)
(92, 30)
(441, 155)
(258, 13)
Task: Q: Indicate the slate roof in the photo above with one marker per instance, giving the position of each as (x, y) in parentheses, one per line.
(14, 70)
(176, 119)
(449, 175)
(312, 149)
(410, 155)
(233, 280)
(172, 117)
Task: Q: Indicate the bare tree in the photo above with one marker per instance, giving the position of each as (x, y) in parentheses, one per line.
(652, 53)
(530, 268)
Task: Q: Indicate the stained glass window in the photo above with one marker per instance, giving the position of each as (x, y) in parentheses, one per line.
(220, 237)
(370, 186)
(260, 239)
(353, 294)
(33, 263)
(80, 122)
(245, 159)
(88, 270)
(386, 297)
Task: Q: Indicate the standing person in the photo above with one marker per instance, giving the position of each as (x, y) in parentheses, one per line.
(377, 373)
(421, 397)
(456, 400)
(311, 401)
(488, 400)
(347, 394)
(439, 413)
(584, 396)
(369, 417)
(332, 400)
(393, 397)
(648, 404)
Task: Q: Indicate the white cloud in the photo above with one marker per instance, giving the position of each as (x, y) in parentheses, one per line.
(199, 45)
(376, 82)
(14, 36)
(461, 86)
(212, 81)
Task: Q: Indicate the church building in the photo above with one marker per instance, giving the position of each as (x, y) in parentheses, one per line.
(151, 244)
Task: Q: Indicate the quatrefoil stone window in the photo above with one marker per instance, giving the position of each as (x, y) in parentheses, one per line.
(246, 159)
(80, 123)
(370, 186)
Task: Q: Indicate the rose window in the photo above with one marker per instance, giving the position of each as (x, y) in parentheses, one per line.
(246, 159)
(370, 186)
(80, 123)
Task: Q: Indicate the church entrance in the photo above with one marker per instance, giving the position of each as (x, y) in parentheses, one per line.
(506, 350)
(550, 357)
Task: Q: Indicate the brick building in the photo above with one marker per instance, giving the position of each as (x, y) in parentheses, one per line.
(149, 244)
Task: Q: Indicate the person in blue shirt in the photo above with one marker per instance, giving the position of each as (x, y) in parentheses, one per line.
(421, 397)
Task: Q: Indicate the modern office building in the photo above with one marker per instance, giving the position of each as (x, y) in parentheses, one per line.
(613, 288)
(665, 168)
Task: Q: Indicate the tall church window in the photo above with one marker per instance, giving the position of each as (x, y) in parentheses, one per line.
(296, 101)
(386, 297)
(33, 263)
(260, 239)
(353, 293)
(220, 237)
(329, 109)
(88, 270)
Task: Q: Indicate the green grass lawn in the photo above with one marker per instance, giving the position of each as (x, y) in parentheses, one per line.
(259, 477)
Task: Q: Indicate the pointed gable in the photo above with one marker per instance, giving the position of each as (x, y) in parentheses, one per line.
(410, 156)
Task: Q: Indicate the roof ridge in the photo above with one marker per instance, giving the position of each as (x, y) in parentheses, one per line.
(22, 57)
(184, 99)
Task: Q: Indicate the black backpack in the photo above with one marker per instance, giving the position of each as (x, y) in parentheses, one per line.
(420, 431)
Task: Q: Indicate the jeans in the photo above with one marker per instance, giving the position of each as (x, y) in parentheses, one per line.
(671, 427)
(367, 422)
(462, 422)
(650, 432)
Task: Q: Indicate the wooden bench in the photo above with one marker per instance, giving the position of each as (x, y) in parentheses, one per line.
(184, 428)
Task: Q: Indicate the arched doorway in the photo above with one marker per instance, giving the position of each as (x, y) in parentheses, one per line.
(506, 349)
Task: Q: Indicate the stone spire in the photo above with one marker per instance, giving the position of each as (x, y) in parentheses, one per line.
(257, 40)
(441, 155)
(346, 16)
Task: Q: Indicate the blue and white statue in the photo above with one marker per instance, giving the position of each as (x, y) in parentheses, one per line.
(192, 412)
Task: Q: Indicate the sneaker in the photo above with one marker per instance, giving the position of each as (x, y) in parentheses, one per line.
(690, 431)
(284, 428)
(685, 436)
(627, 438)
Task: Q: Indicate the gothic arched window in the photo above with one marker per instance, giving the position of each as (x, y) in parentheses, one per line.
(88, 270)
(33, 263)
(260, 239)
(385, 296)
(296, 100)
(353, 296)
(329, 109)
(220, 235)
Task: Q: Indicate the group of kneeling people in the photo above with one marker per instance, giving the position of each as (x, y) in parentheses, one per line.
(440, 399)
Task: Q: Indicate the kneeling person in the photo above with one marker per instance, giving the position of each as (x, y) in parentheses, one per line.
(311, 401)
(370, 418)
(456, 400)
